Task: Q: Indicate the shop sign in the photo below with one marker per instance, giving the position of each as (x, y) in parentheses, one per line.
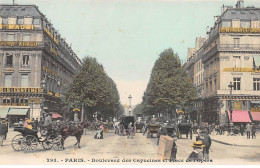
(20, 44)
(17, 27)
(254, 109)
(241, 70)
(49, 71)
(52, 50)
(35, 101)
(51, 35)
(239, 30)
(21, 90)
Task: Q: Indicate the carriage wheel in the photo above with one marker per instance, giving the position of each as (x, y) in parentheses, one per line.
(17, 142)
(29, 143)
(57, 146)
(48, 142)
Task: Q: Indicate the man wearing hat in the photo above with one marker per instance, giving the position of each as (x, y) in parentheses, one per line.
(207, 142)
(162, 131)
(197, 152)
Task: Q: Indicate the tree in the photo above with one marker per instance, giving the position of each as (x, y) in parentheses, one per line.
(93, 89)
(169, 85)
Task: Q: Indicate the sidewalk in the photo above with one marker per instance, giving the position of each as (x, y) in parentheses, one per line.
(236, 140)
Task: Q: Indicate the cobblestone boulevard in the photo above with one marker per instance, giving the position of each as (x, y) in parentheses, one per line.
(120, 150)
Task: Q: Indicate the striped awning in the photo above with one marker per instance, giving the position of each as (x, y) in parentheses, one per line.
(3, 112)
(239, 116)
(255, 116)
(18, 111)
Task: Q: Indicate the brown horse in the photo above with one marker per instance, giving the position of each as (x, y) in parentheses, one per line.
(70, 129)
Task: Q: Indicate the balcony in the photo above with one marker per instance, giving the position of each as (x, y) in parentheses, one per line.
(239, 47)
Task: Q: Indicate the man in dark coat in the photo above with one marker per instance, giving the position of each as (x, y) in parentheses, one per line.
(2, 132)
(162, 131)
(253, 130)
(242, 129)
(207, 142)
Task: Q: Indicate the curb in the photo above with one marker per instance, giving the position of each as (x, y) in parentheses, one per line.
(234, 144)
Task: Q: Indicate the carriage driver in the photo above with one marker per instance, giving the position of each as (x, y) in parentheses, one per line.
(48, 122)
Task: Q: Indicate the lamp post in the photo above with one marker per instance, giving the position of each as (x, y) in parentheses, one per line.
(230, 107)
(32, 107)
(129, 98)
(43, 86)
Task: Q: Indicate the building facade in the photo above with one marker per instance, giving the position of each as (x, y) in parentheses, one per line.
(35, 63)
(226, 69)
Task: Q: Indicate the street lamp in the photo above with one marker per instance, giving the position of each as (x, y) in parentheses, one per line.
(43, 86)
(129, 98)
(230, 107)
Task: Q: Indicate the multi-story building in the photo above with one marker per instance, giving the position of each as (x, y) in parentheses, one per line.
(35, 63)
(230, 55)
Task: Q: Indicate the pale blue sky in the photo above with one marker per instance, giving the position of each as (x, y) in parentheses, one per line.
(126, 36)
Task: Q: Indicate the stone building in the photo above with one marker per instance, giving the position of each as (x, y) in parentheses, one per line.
(35, 63)
(229, 55)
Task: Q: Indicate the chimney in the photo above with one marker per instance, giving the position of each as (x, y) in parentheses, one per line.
(240, 4)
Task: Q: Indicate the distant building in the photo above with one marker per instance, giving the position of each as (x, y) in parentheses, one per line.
(32, 53)
(230, 54)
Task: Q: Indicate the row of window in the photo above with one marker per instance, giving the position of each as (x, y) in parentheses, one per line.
(15, 101)
(243, 24)
(21, 21)
(237, 84)
(9, 60)
(24, 80)
(22, 37)
(51, 84)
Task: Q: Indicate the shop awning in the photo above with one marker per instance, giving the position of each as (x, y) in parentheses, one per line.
(239, 116)
(255, 116)
(3, 112)
(55, 115)
(18, 111)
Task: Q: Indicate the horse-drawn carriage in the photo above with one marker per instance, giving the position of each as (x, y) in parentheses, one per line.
(184, 128)
(122, 126)
(28, 140)
(152, 129)
(139, 126)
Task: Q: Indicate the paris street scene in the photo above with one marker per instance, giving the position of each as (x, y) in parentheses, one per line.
(156, 82)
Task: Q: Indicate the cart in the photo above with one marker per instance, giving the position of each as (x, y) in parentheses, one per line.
(184, 128)
(125, 121)
(152, 129)
(28, 140)
(139, 126)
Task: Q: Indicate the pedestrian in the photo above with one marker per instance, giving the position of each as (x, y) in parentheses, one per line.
(5, 123)
(2, 132)
(162, 131)
(197, 152)
(25, 122)
(130, 130)
(174, 149)
(20, 124)
(242, 129)
(248, 130)
(207, 142)
(253, 131)
(36, 123)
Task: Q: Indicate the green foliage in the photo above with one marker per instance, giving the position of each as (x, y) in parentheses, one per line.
(93, 88)
(169, 84)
